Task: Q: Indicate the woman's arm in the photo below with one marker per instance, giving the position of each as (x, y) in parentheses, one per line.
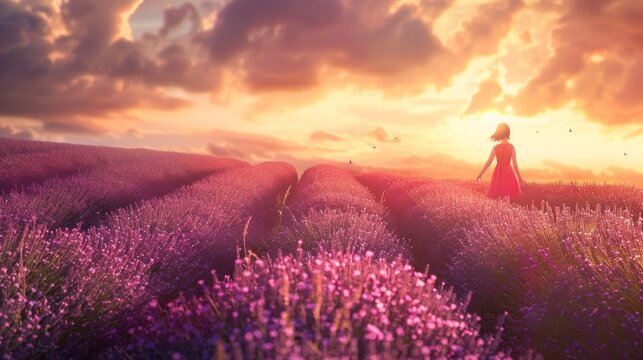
(486, 165)
(515, 165)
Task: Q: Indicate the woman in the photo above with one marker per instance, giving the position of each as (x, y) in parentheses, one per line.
(503, 182)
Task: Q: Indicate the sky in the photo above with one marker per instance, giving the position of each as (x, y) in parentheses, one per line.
(413, 86)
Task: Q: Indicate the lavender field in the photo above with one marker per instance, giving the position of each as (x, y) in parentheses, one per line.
(112, 253)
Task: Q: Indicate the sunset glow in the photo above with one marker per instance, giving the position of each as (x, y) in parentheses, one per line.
(416, 86)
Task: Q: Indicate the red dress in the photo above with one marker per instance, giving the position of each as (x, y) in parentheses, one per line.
(503, 180)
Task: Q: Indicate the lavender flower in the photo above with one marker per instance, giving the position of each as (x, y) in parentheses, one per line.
(335, 304)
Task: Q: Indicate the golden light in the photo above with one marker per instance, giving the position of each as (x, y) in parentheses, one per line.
(125, 30)
(596, 58)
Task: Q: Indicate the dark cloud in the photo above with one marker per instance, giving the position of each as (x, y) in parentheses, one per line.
(269, 71)
(286, 44)
(17, 29)
(173, 65)
(177, 16)
(209, 7)
(87, 127)
(596, 64)
(93, 26)
(149, 17)
(72, 66)
(239, 19)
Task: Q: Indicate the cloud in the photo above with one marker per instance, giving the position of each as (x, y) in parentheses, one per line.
(481, 33)
(359, 38)
(287, 55)
(75, 66)
(227, 150)
(432, 9)
(488, 91)
(9, 131)
(55, 103)
(380, 134)
(72, 66)
(596, 66)
(283, 44)
(250, 146)
(526, 38)
(84, 127)
(175, 17)
(133, 132)
(633, 134)
(325, 136)
(387, 44)
(96, 24)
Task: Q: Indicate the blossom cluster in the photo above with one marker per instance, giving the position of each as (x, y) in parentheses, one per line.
(333, 304)
(56, 287)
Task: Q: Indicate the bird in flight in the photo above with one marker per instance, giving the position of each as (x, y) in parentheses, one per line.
(374, 147)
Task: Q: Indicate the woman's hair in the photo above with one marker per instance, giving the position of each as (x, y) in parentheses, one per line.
(502, 132)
